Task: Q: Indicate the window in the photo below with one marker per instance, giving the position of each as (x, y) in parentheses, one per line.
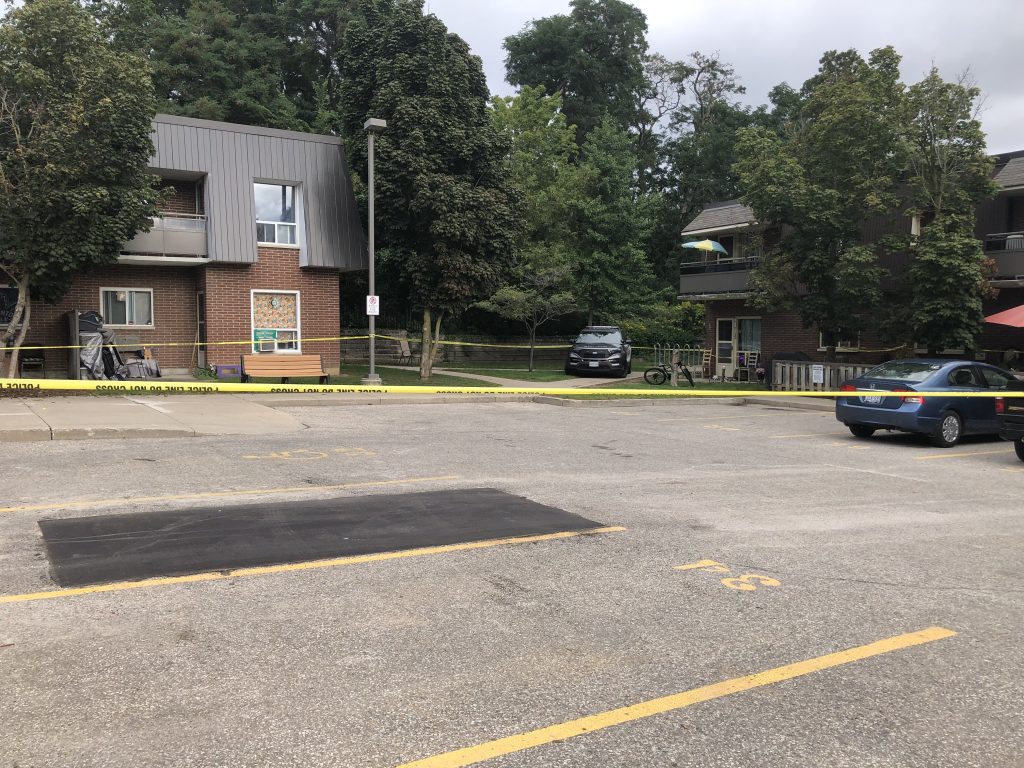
(903, 371)
(127, 306)
(8, 301)
(275, 321)
(963, 377)
(275, 214)
(996, 379)
(842, 340)
(605, 338)
(750, 334)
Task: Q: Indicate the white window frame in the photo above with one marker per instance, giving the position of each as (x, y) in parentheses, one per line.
(152, 308)
(298, 320)
(839, 347)
(297, 225)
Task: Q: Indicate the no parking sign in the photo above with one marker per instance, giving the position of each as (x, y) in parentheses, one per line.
(373, 305)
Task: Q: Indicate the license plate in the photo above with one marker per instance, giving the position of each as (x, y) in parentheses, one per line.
(593, 364)
(871, 399)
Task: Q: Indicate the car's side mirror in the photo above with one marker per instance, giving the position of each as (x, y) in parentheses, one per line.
(628, 342)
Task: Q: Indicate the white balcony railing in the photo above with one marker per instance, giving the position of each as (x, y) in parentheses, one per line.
(172, 234)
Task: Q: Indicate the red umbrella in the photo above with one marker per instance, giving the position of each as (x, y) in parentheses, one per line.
(1014, 317)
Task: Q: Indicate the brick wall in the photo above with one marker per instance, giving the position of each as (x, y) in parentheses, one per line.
(783, 332)
(184, 196)
(227, 288)
(228, 303)
(174, 312)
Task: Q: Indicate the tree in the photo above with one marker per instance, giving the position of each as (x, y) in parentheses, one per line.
(609, 225)
(447, 214)
(75, 122)
(541, 160)
(949, 173)
(836, 166)
(533, 299)
(594, 57)
(232, 60)
(697, 149)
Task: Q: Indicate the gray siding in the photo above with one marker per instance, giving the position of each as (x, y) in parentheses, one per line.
(233, 156)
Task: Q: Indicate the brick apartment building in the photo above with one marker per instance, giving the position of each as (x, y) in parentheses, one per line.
(738, 333)
(250, 246)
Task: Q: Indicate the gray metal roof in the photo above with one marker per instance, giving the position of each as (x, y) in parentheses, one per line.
(721, 216)
(231, 158)
(1012, 174)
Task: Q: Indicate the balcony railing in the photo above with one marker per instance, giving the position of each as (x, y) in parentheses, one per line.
(1006, 250)
(720, 265)
(1004, 241)
(724, 276)
(172, 234)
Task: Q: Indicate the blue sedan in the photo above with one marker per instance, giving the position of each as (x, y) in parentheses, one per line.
(886, 399)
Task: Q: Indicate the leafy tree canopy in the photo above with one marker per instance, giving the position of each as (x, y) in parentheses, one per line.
(611, 275)
(836, 166)
(949, 173)
(594, 57)
(75, 122)
(256, 62)
(447, 213)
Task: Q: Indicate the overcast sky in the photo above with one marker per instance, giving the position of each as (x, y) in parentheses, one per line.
(771, 41)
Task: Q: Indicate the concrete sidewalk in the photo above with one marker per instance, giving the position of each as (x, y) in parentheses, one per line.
(134, 416)
(87, 418)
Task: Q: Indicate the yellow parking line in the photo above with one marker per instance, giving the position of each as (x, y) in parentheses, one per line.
(264, 570)
(498, 747)
(931, 456)
(218, 494)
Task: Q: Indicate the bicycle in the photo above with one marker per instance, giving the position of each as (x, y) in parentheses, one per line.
(659, 374)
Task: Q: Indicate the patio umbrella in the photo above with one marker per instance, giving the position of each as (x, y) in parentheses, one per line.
(1014, 317)
(706, 245)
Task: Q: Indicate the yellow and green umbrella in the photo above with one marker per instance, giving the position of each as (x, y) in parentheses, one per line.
(706, 245)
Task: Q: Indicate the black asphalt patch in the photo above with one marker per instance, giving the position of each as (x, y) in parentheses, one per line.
(104, 548)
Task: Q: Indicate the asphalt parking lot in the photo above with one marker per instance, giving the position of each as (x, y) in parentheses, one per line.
(871, 588)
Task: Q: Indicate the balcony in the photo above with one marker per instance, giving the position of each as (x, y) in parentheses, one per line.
(1006, 249)
(725, 278)
(171, 234)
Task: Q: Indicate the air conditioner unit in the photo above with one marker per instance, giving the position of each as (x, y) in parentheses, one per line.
(267, 346)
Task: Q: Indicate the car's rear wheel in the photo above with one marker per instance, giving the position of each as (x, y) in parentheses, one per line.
(861, 430)
(1018, 446)
(948, 432)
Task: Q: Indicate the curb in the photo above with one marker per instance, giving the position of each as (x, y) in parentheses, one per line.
(805, 404)
(628, 402)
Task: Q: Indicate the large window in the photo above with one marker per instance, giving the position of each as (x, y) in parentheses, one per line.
(276, 321)
(275, 214)
(127, 307)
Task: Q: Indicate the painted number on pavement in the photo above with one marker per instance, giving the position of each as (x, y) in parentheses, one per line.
(746, 582)
(304, 454)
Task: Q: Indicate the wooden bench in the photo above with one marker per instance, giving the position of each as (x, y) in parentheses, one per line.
(284, 367)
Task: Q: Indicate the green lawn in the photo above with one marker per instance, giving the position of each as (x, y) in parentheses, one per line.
(353, 374)
(521, 374)
(641, 384)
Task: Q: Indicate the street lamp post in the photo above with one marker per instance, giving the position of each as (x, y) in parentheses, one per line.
(372, 126)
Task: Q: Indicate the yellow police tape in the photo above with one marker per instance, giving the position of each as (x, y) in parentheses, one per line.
(249, 342)
(182, 387)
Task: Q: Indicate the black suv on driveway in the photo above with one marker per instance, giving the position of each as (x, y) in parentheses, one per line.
(600, 349)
